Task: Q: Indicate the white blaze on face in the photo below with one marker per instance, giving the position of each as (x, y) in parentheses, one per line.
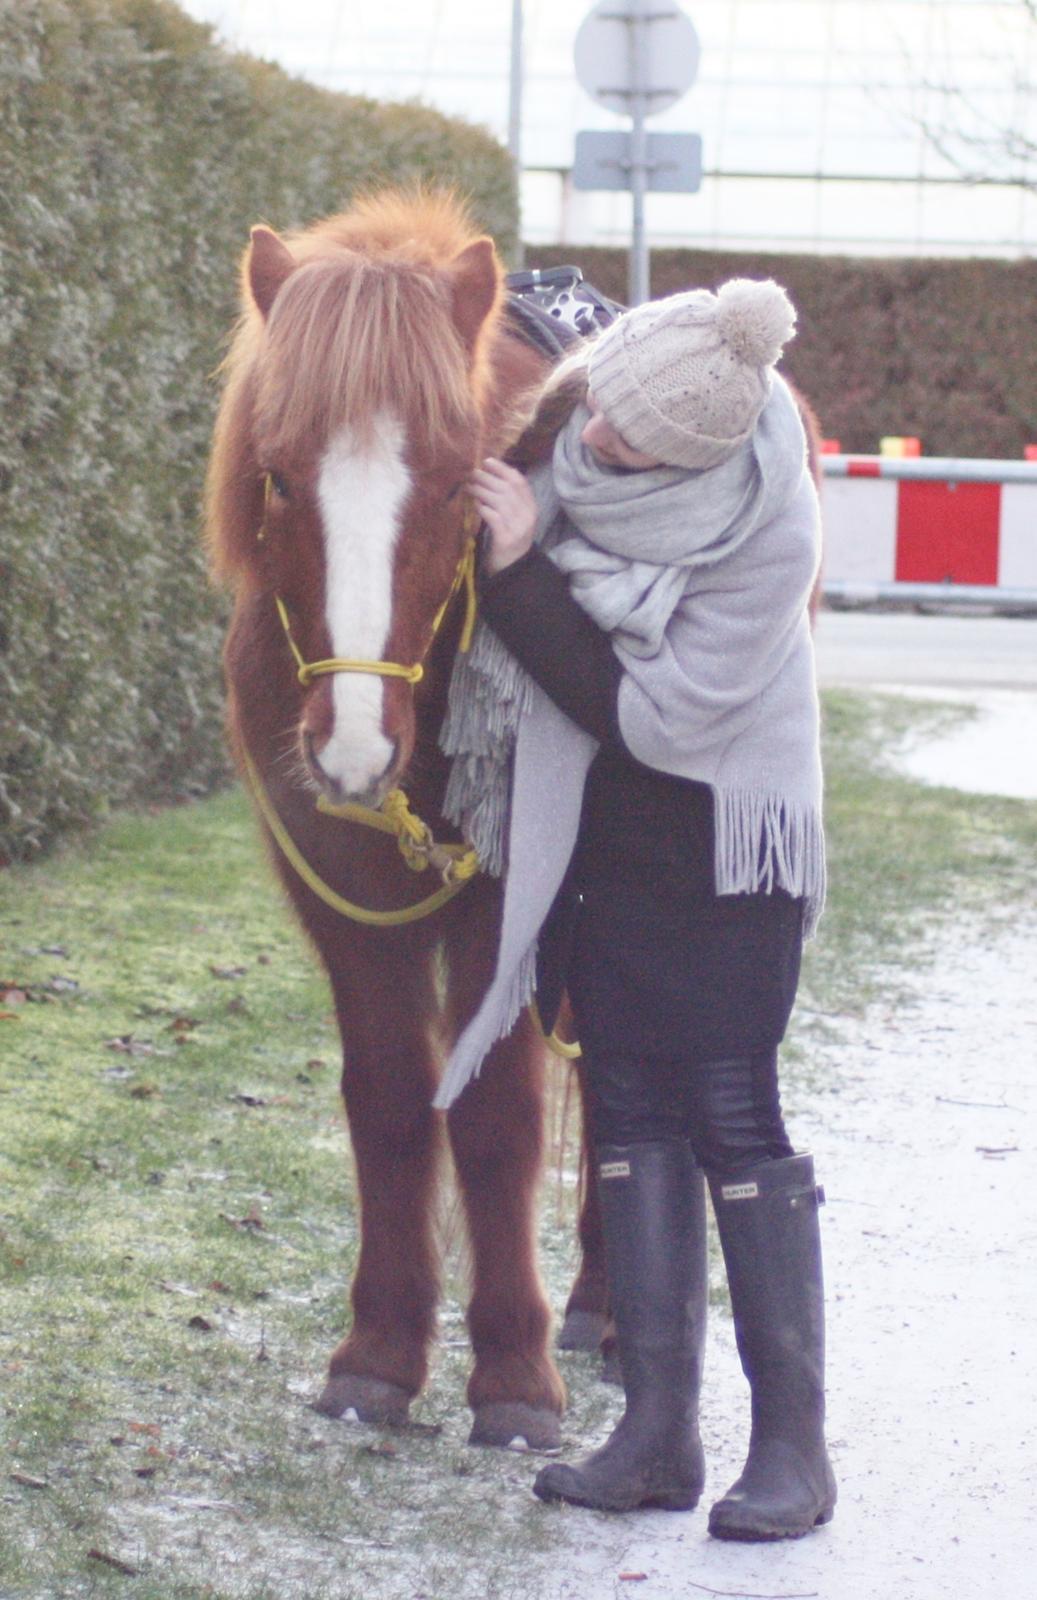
(361, 490)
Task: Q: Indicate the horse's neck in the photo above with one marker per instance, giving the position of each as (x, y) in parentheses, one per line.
(517, 373)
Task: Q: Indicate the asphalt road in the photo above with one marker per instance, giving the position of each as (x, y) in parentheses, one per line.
(905, 649)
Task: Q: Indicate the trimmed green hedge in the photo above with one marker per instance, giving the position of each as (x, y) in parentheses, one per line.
(943, 350)
(134, 155)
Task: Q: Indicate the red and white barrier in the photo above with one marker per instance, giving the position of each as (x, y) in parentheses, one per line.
(901, 526)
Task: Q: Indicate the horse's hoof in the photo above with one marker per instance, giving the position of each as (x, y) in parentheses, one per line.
(582, 1330)
(512, 1425)
(360, 1399)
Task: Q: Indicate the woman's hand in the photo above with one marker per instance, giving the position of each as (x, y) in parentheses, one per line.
(509, 510)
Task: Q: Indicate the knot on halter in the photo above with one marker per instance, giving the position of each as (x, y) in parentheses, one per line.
(455, 863)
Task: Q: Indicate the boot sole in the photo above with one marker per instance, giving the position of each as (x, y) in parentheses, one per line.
(768, 1535)
(681, 1500)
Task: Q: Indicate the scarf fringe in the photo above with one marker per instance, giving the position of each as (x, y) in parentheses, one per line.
(765, 842)
(490, 1024)
(489, 694)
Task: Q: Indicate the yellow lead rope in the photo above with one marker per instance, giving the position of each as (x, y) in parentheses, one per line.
(457, 864)
(466, 866)
(324, 891)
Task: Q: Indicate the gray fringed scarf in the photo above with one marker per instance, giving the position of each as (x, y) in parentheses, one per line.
(718, 686)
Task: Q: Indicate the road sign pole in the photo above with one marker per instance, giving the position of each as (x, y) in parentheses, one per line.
(638, 276)
(515, 116)
(637, 57)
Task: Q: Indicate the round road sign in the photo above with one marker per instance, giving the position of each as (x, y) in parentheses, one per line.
(609, 64)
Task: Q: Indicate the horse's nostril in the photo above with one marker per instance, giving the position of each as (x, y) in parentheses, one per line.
(348, 776)
(378, 787)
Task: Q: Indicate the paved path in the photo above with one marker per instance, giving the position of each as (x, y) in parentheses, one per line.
(923, 1131)
(986, 663)
(922, 1123)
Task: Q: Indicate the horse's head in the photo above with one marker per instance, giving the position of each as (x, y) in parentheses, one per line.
(354, 409)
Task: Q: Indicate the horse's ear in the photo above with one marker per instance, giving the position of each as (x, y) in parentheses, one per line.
(267, 265)
(475, 284)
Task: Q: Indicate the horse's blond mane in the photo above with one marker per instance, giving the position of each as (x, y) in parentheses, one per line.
(413, 226)
(364, 325)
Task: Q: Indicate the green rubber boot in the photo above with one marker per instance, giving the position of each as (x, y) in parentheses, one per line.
(653, 1213)
(768, 1224)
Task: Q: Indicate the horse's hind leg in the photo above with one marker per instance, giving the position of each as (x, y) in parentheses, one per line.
(496, 1134)
(586, 1310)
(387, 1082)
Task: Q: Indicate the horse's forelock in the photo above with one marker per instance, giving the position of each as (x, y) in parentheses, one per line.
(350, 338)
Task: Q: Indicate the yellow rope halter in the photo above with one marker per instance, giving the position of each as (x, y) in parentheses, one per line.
(464, 865)
(456, 864)
(465, 574)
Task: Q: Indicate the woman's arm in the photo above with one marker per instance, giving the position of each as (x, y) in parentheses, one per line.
(528, 605)
(526, 601)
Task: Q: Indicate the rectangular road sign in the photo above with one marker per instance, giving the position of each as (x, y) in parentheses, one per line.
(602, 161)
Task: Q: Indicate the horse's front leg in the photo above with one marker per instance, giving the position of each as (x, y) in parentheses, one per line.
(496, 1133)
(387, 1083)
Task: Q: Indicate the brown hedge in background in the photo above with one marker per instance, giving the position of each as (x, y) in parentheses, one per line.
(134, 155)
(944, 350)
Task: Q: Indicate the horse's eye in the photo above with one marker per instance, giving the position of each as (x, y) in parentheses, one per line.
(278, 485)
(455, 491)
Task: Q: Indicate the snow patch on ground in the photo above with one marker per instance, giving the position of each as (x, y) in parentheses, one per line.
(922, 1129)
(993, 752)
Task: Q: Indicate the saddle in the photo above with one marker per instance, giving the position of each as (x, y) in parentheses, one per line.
(553, 308)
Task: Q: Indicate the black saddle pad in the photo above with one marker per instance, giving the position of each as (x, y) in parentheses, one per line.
(553, 308)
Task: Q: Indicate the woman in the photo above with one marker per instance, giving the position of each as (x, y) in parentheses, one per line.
(655, 713)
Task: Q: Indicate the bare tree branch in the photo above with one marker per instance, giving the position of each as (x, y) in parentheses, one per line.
(982, 145)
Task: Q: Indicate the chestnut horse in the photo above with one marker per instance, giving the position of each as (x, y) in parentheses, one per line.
(371, 370)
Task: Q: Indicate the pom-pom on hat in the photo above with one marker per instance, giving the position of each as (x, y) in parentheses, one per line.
(684, 379)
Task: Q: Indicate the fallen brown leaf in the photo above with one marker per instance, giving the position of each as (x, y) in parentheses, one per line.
(130, 1046)
(28, 1480)
(227, 972)
(183, 1024)
(113, 1561)
(252, 1220)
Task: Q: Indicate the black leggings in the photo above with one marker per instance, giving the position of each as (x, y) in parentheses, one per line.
(729, 1111)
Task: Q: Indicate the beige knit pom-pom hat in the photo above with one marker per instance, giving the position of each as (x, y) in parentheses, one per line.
(684, 379)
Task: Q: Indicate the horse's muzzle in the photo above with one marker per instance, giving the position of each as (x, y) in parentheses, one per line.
(362, 787)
